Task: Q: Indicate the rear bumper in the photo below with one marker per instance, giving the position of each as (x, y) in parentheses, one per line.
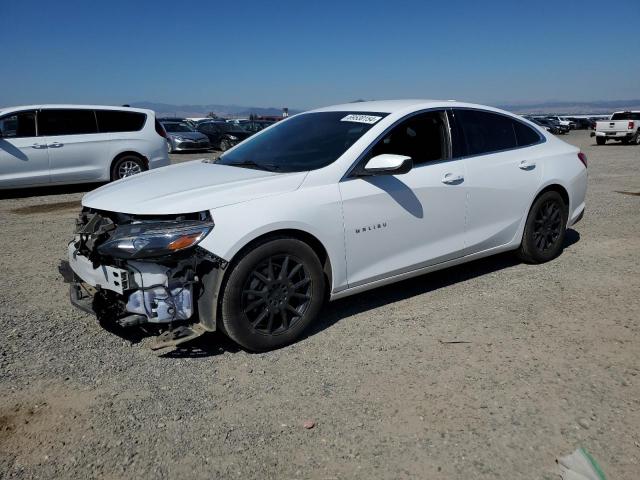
(619, 134)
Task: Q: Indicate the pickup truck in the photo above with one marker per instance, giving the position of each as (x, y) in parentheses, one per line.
(623, 126)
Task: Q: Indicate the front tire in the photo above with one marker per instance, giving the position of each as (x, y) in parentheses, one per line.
(545, 229)
(273, 293)
(225, 145)
(127, 166)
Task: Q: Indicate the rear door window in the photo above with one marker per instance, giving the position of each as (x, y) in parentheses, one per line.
(18, 125)
(52, 122)
(486, 132)
(110, 121)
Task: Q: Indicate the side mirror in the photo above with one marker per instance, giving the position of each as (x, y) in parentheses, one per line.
(387, 164)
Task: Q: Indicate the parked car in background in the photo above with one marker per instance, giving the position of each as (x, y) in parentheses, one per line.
(223, 135)
(254, 126)
(563, 128)
(564, 121)
(548, 125)
(581, 123)
(623, 127)
(60, 144)
(188, 121)
(325, 204)
(183, 137)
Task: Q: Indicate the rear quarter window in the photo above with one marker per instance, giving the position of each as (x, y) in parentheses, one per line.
(110, 121)
(525, 135)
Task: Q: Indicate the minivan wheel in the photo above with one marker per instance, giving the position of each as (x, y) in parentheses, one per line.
(545, 229)
(127, 166)
(273, 293)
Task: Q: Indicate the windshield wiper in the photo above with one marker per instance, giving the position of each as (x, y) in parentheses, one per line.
(258, 166)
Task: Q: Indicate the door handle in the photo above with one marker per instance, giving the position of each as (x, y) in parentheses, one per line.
(38, 146)
(56, 145)
(525, 165)
(450, 179)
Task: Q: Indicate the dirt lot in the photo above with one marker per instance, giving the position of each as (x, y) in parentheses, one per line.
(550, 362)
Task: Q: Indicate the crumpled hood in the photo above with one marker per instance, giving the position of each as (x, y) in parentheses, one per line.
(189, 187)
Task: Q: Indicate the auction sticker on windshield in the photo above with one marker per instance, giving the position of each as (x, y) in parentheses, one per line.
(370, 119)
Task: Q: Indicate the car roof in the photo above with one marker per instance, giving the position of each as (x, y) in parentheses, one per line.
(73, 106)
(400, 106)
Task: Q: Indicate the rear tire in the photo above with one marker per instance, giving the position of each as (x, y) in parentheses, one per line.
(545, 229)
(127, 166)
(601, 140)
(272, 294)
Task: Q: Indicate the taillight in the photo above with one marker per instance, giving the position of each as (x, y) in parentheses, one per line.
(161, 131)
(630, 127)
(583, 159)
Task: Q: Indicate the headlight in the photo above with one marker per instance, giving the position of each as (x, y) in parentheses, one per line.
(154, 238)
(231, 137)
(180, 139)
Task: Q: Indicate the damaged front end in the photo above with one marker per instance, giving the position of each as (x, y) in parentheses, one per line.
(131, 270)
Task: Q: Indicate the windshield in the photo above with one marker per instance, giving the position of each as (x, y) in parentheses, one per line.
(305, 142)
(626, 116)
(177, 127)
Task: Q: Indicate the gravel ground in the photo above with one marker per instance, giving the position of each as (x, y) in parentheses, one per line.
(549, 363)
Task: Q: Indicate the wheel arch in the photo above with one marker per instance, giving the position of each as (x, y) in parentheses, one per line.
(548, 187)
(316, 245)
(127, 153)
(553, 187)
(209, 304)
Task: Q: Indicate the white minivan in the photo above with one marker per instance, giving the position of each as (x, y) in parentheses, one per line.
(60, 144)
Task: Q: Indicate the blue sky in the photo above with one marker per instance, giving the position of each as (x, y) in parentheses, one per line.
(305, 54)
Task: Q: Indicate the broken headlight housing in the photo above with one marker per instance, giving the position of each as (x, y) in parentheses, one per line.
(154, 238)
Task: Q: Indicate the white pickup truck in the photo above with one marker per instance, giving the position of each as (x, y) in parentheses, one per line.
(622, 126)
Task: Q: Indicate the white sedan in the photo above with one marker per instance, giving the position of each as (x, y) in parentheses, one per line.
(322, 205)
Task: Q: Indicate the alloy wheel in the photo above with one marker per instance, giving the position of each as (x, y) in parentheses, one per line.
(276, 294)
(128, 168)
(547, 225)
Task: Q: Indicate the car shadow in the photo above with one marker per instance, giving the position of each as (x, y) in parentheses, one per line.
(209, 344)
(48, 190)
(216, 343)
(378, 297)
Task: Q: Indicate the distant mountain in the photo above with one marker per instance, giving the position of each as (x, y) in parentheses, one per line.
(549, 107)
(169, 110)
(574, 108)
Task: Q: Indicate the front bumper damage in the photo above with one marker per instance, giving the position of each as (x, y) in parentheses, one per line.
(179, 291)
